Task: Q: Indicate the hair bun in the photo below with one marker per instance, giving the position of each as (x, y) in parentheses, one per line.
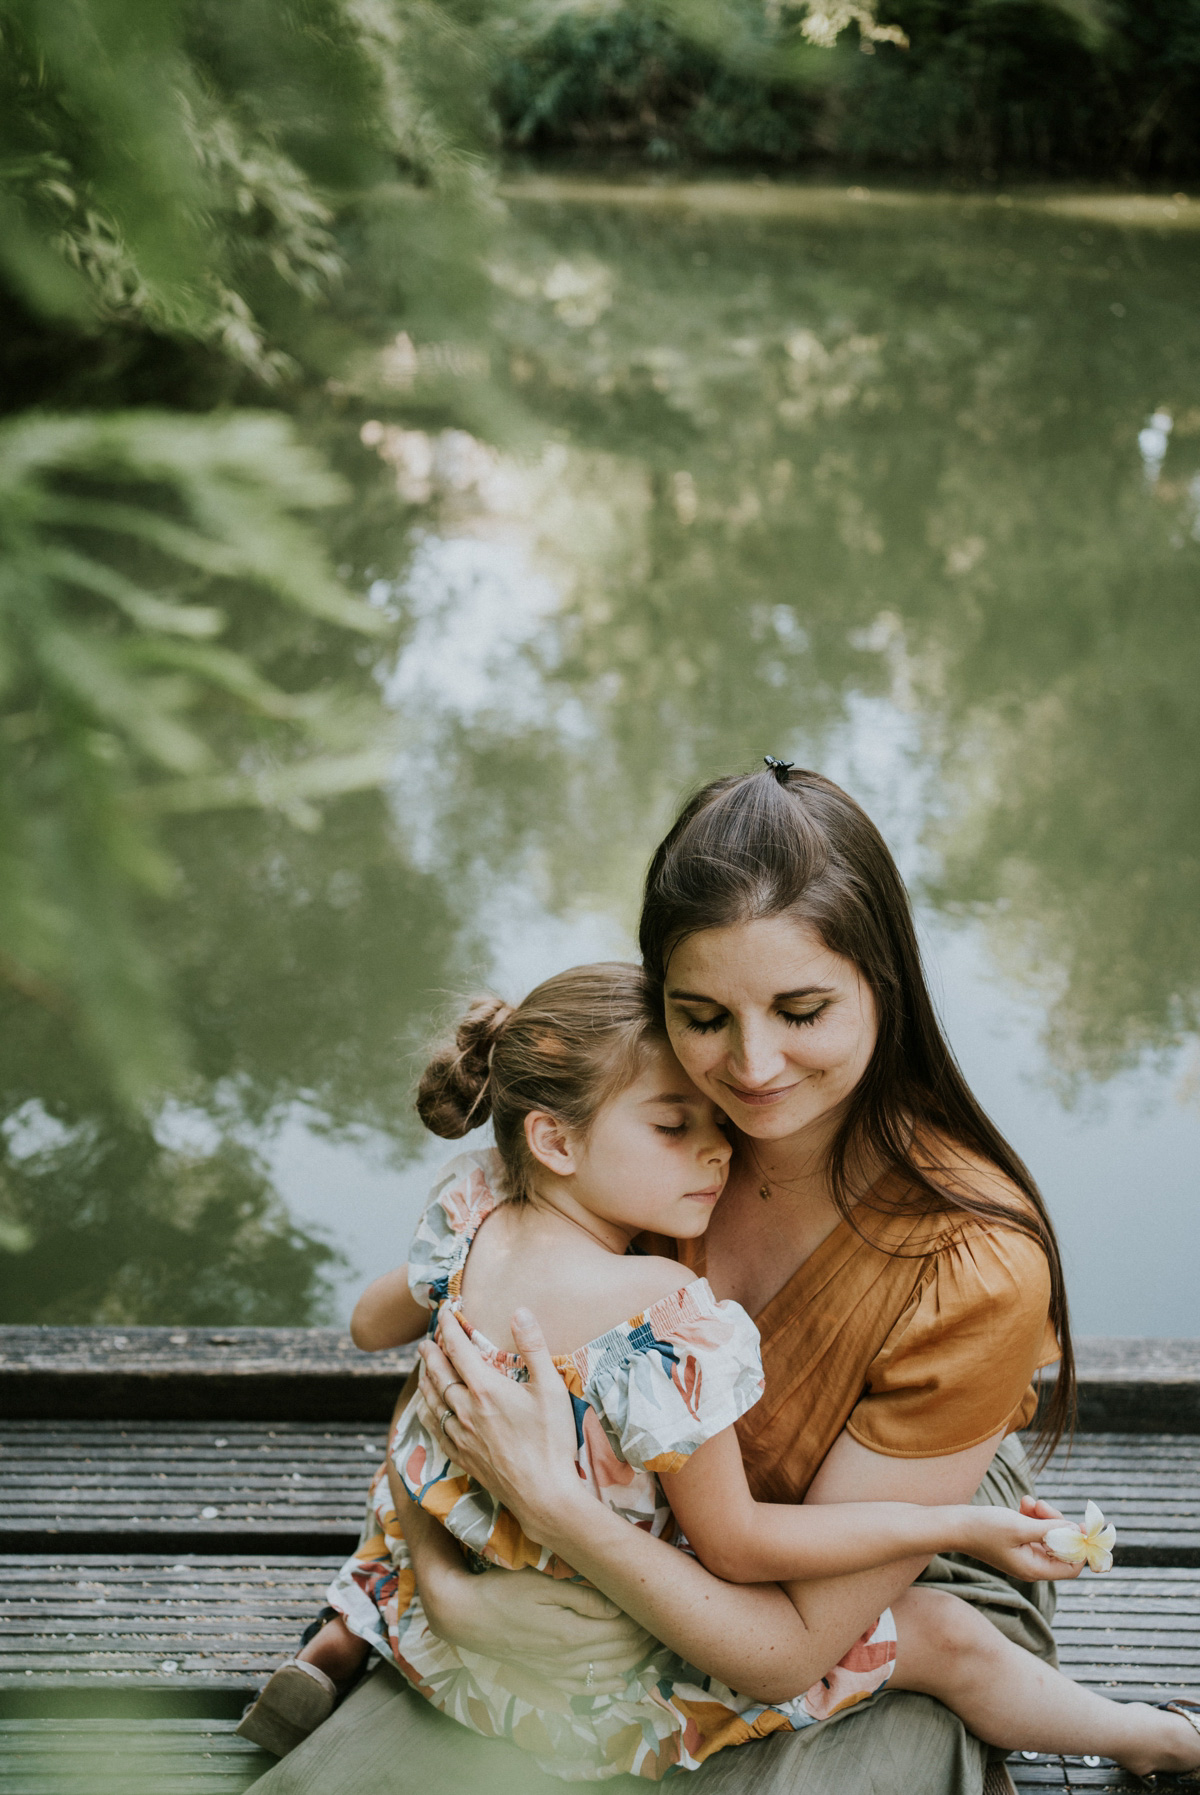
(454, 1093)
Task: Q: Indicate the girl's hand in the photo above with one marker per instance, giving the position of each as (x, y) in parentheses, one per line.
(517, 1440)
(1011, 1541)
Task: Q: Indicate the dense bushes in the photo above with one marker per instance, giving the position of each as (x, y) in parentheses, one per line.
(985, 87)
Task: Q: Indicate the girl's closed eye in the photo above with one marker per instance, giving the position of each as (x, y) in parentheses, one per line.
(677, 1129)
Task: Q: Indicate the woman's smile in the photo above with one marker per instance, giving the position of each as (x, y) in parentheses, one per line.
(760, 1099)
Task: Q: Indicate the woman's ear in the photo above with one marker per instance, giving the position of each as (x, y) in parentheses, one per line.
(548, 1142)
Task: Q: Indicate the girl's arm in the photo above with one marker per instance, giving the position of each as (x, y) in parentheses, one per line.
(744, 1541)
(387, 1314)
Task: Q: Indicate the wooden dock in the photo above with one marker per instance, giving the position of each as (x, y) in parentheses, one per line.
(172, 1503)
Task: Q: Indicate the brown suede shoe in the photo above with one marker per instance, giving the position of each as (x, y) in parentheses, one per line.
(296, 1699)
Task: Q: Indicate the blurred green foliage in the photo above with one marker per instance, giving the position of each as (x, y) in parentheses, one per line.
(200, 204)
(204, 210)
(986, 88)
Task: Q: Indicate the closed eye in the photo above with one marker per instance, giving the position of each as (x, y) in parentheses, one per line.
(680, 1128)
(707, 1026)
(807, 1019)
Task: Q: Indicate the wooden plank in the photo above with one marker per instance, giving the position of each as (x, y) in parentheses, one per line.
(196, 1373)
(175, 1485)
(98, 1621)
(1135, 1386)
(1147, 1485)
(294, 1486)
(116, 1757)
(223, 1623)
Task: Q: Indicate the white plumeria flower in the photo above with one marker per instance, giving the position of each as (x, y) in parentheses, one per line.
(1090, 1544)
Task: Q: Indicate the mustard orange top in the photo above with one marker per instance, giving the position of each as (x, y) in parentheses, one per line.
(921, 1340)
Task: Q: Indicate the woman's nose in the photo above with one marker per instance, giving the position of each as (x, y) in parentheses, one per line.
(754, 1058)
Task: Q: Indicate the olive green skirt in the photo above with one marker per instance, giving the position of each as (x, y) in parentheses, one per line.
(386, 1740)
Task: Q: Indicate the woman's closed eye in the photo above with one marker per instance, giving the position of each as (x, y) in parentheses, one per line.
(708, 1025)
(803, 1019)
(705, 1025)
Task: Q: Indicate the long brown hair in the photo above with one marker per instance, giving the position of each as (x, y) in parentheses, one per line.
(577, 1040)
(790, 842)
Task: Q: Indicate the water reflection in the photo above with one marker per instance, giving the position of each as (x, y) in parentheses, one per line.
(905, 489)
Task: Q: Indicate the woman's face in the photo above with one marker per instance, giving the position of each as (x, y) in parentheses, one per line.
(769, 1023)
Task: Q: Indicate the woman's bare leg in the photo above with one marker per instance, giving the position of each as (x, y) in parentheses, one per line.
(1009, 1698)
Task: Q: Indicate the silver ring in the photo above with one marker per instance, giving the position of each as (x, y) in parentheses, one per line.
(591, 1676)
(447, 1414)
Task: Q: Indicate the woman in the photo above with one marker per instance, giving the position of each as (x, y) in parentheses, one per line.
(893, 1250)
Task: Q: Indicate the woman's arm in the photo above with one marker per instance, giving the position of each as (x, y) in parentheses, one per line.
(519, 1441)
(387, 1314)
(744, 1541)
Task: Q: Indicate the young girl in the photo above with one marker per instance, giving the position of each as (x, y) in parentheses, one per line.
(601, 1137)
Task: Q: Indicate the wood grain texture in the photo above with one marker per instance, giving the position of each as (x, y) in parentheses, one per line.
(293, 1486)
(145, 1620)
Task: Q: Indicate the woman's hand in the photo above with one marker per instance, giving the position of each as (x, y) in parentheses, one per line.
(1011, 1541)
(517, 1440)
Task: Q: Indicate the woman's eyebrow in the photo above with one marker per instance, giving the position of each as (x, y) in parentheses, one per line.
(779, 997)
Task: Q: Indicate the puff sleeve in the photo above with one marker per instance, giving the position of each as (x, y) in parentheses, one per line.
(957, 1367)
(464, 1195)
(691, 1368)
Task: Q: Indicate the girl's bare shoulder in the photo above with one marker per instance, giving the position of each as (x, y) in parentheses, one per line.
(591, 1300)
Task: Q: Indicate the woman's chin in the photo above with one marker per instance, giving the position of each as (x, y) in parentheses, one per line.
(775, 1124)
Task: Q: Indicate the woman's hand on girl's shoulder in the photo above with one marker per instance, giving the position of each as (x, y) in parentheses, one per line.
(516, 1439)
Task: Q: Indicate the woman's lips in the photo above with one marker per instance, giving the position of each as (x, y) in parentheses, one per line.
(760, 1099)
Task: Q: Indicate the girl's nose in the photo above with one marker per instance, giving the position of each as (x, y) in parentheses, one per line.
(719, 1151)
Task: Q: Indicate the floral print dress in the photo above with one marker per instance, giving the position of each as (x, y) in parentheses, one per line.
(646, 1395)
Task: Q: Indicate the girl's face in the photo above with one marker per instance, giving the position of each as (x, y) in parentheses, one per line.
(769, 1023)
(655, 1157)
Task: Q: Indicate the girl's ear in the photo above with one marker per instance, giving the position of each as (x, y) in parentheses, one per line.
(547, 1141)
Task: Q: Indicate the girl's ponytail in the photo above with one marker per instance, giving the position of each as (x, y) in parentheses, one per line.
(454, 1094)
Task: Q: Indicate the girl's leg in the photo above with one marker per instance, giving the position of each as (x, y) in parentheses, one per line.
(1009, 1698)
(335, 1650)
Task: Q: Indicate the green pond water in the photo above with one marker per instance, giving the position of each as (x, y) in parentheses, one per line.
(903, 486)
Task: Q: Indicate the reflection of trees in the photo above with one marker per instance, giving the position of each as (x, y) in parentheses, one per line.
(304, 964)
(119, 1230)
(919, 437)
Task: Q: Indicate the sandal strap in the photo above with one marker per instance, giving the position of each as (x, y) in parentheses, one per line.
(1189, 1711)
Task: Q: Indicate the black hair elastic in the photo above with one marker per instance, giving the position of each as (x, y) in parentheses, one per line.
(780, 768)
